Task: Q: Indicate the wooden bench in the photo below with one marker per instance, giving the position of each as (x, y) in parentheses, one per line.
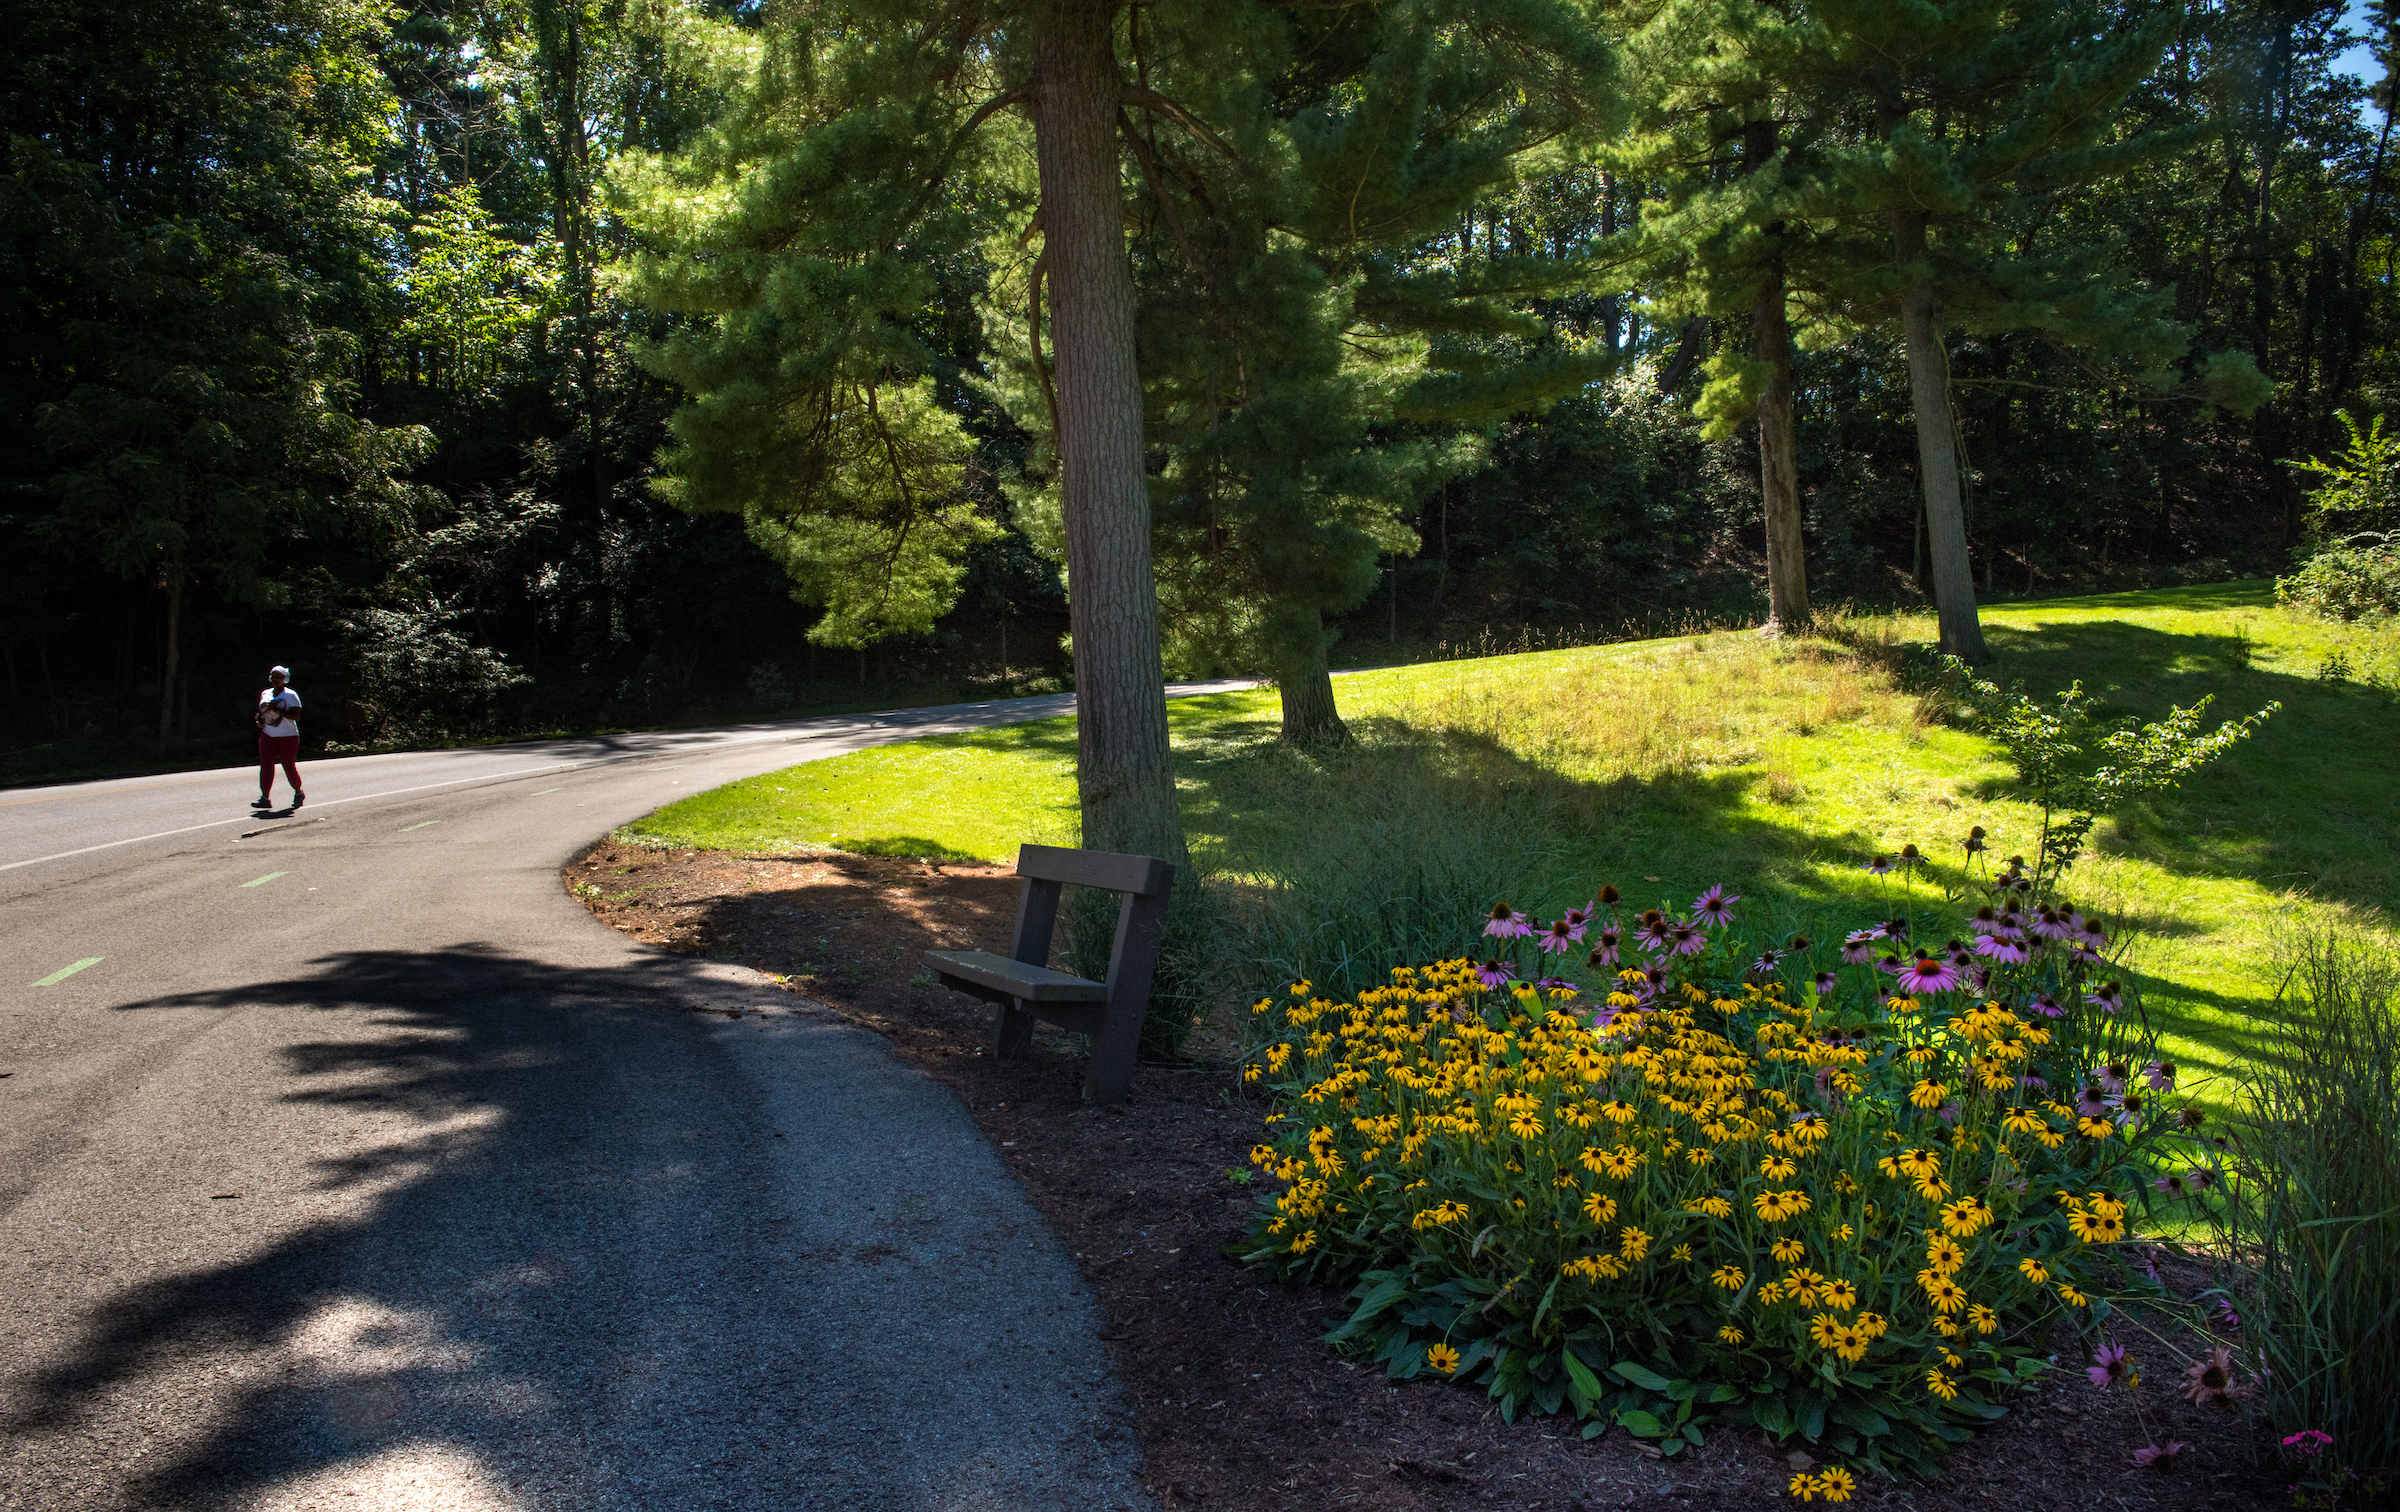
(1022, 986)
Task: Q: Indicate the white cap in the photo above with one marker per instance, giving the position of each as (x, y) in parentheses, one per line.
(279, 671)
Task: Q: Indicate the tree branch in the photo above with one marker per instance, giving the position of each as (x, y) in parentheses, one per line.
(1151, 100)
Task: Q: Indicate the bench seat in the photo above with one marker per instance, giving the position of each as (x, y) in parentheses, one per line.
(1016, 979)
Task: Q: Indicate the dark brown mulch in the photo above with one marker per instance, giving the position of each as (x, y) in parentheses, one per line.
(1238, 1404)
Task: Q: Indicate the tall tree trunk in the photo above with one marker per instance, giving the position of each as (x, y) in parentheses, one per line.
(1124, 773)
(166, 677)
(1778, 469)
(1937, 448)
(1306, 683)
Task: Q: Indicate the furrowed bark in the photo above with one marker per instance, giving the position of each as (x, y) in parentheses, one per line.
(1124, 774)
(1937, 451)
(1306, 683)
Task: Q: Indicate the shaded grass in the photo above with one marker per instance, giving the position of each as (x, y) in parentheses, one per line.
(1663, 766)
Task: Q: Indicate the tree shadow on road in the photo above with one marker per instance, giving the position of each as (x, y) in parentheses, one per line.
(550, 1237)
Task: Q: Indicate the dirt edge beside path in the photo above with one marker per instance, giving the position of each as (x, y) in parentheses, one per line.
(1235, 1401)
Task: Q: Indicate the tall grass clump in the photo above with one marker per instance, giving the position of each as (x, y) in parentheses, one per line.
(2319, 1212)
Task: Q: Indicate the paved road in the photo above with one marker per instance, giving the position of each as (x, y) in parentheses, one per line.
(361, 1168)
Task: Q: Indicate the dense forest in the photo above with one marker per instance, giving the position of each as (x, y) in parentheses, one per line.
(508, 365)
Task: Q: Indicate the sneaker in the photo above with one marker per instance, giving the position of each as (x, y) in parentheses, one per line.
(262, 801)
(298, 799)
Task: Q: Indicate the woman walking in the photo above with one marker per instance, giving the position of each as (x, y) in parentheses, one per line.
(278, 738)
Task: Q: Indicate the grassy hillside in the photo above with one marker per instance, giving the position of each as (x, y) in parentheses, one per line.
(1663, 766)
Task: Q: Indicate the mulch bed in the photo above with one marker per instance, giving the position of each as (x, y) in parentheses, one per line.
(1237, 1403)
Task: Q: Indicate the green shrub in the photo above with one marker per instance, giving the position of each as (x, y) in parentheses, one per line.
(2356, 580)
(1841, 1198)
(2319, 1187)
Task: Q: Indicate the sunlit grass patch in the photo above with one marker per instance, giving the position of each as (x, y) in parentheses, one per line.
(1663, 766)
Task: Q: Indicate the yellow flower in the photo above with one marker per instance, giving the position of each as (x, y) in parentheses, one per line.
(1927, 1094)
(1775, 1167)
(1943, 1254)
(2095, 1128)
(1714, 1207)
(1600, 1207)
(1967, 1216)
(1728, 1276)
(1525, 1126)
(2034, 1270)
(1441, 1357)
(1844, 1233)
(1822, 1328)
(1305, 1243)
(1730, 1334)
(1945, 1294)
(1850, 1343)
(1873, 1325)
(1620, 1111)
(1633, 1244)
(1775, 1207)
(2093, 1228)
(1262, 1154)
(1805, 1487)
(1680, 1252)
(2071, 1296)
(1839, 1294)
(1984, 1319)
(1940, 1385)
(1836, 1484)
(1787, 1249)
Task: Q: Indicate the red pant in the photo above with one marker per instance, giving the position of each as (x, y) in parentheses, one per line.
(274, 749)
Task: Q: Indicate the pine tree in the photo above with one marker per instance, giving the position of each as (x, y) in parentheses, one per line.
(1947, 126)
(1717, 144)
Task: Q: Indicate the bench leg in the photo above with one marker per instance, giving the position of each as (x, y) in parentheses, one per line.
(1012, 1032)
(1114, 1049)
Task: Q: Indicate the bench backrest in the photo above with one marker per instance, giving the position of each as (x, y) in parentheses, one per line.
(1139, 875)
(1143, 880)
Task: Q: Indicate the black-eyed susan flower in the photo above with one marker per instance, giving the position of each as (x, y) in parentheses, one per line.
(1777, 1168)
(1787, 1249)
(1731, 1277)
(1804, 1486)
(1633, 1243)
(1849, 1343)
(1600, 1207)
(2071, 1296)
(2034, 1271)
(1838, 1294)
(1985, 1320)
(1822, 1328)
(1442, 1358)
(1775, 1207)
(1942, 1254)
(1946, 1295)
(1730, 1335)
(1941, 1385)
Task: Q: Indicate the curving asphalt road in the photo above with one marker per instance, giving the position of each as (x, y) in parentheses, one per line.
(346, 1162)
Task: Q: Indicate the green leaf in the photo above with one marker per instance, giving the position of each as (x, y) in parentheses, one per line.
(1639, 1375)
(1862, 1417)
(1587, 1387)
(1812, 1419)
(1772, 1415)
(1640, 1424)
(1722, 1392)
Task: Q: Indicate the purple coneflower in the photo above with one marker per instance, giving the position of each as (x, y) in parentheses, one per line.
(2050, 926)
(1975, 841)
(2114, 1075)
(2225, 1313)
(2092, 1102)
(2161, 1075)
(1895, 929)
(1609, 895)
(1824, 983)
(1557, 984)
(1949, 1111)
(2172, 1187)
(2160, 1457)
(2080, 952)
(2000, 948)
(1560, 937)
(1890, 965)
(1507, 924)
(1928, 974)
(1769, 960)
(2210, 1382)
(2093, 934)
(1686, 939)
(1604, 950)
(1858, 946)
(2108, 997)
(2110, 1365)
(2308, 1443)
(2129, 1109)
(1653, 981)
(1910, 855)
(1881, 866)
(1495, 973)
(2202, 1179)
(2046, 1005)
(2034, 1083)
(1714, 906)
(1652, 936)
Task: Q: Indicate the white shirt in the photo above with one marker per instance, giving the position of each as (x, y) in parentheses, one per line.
(281, 722)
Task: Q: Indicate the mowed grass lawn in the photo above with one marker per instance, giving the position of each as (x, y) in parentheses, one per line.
(1777, 768)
